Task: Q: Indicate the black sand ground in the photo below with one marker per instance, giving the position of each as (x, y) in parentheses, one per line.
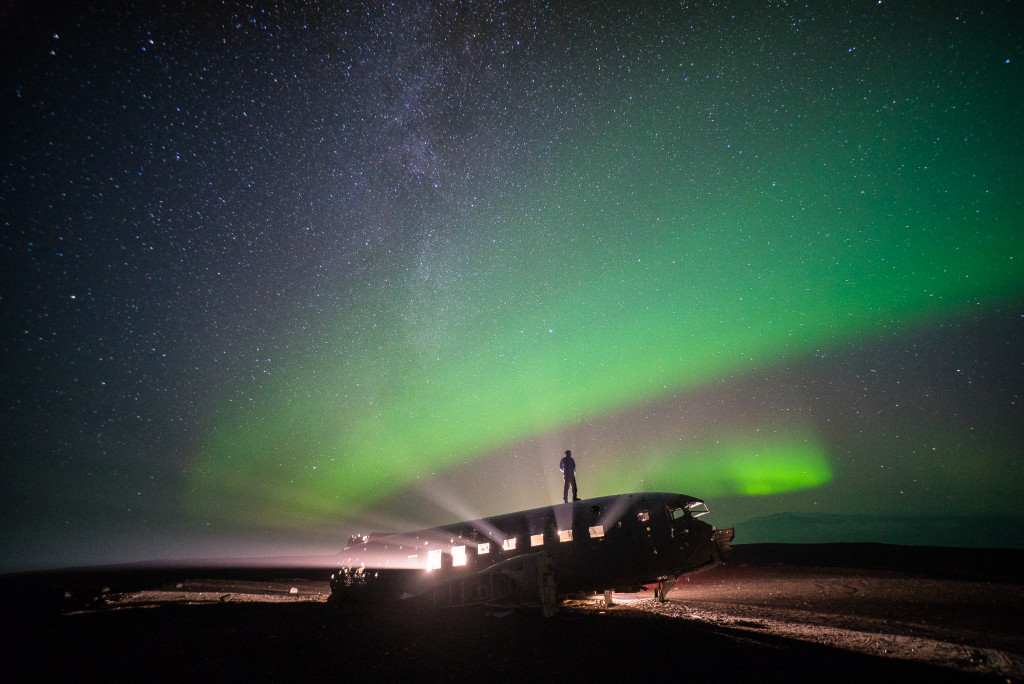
(774, 613)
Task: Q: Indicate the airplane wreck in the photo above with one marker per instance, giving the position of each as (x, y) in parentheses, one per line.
(532, 558)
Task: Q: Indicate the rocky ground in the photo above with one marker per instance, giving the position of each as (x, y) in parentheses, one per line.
(774, 613)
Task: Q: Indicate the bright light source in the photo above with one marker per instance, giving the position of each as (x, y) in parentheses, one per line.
(458, 555)
(565, 535)
(434, 559)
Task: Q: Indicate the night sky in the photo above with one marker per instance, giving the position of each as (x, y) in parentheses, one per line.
(273, 274)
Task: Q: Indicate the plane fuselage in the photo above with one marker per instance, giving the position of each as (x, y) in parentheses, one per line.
(607, 543)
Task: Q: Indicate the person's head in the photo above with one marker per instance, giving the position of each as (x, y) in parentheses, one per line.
(568, 453)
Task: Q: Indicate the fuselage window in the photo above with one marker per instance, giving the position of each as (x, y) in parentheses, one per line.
(481, 549)
(536, 540)
(434, 559)
(509, 544)
(564, 535)
(458, 555)
(597, 531)
(643, 516)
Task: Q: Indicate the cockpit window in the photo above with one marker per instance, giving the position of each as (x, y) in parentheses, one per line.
(697, 508)
(693, 509)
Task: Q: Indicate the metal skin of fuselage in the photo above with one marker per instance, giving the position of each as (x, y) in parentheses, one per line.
(618, 543)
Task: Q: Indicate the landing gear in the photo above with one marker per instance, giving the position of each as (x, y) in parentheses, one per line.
(608, 598)
(664, 586)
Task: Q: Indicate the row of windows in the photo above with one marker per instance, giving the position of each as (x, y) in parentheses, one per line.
(459, 555)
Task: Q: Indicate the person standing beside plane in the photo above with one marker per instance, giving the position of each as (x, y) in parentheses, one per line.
(568, 468)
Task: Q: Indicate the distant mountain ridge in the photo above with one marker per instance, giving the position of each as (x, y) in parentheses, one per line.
(1005, 532)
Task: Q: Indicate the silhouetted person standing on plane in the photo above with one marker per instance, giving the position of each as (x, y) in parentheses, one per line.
(568, 468)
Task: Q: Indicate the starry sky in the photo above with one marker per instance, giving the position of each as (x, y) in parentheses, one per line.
(275, 273)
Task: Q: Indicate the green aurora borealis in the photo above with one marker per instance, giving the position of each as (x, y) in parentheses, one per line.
(629, 273)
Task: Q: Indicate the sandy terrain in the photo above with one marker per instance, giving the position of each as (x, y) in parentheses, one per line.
(774, 613)
(968, 626)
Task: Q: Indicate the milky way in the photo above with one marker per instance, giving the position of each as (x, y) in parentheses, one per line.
(273, 274)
